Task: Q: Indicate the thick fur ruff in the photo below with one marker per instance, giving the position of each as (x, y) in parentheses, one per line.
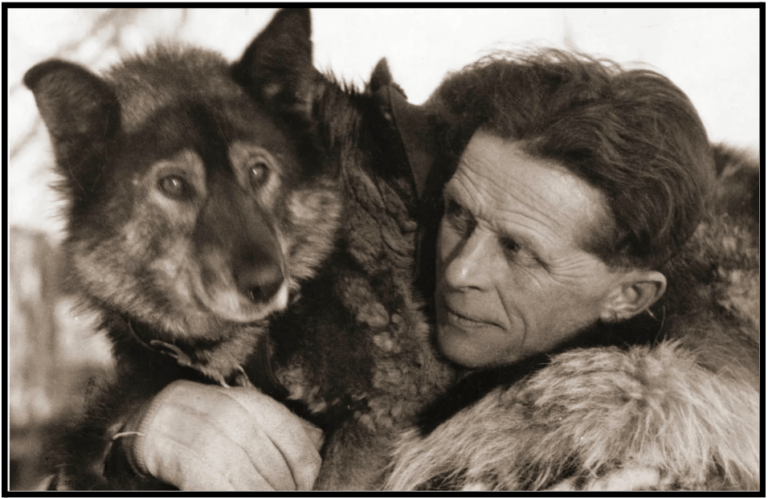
(680, 414)
(593, 412)
(352, 352)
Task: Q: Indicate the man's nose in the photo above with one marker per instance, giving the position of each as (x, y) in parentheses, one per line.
(470, 264)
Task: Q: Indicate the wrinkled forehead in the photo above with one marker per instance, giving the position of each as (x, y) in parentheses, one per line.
(500, 181)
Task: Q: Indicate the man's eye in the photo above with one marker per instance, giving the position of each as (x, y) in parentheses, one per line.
(175, 187)
(509, 246)
(515, 253)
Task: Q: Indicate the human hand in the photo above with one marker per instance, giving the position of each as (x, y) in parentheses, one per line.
(210, 438)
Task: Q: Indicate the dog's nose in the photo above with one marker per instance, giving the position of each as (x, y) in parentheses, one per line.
(259, 280)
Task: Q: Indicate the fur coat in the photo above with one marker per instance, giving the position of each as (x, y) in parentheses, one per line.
(680, 411)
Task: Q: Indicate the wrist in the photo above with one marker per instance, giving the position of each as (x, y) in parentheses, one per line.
(126, 460)
(118, 469)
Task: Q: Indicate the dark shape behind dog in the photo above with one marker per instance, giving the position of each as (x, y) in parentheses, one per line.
(203, 197)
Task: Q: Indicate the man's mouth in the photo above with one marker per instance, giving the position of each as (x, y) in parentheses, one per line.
(463, 319)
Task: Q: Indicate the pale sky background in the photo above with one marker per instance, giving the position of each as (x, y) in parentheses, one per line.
(712, 54)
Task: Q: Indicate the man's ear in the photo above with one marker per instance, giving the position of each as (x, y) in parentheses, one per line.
(634, 293)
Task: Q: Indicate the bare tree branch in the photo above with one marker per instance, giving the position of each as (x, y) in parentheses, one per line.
(26, 139)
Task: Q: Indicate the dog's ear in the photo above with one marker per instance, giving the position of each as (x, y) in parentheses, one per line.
(277, 66)
(381, 76)
(81, 112)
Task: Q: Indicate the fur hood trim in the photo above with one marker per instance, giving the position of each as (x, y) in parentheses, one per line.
(590, 414)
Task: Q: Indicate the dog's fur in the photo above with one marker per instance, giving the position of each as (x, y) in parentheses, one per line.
(189, 270)
(169, 238)
(352, 352)
(681, 413)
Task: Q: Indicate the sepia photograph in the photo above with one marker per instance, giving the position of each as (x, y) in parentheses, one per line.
(384, 249)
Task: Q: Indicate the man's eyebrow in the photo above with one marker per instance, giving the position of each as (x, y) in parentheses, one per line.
(449, 193)
(519, 237)
(530, 244)
(452, 192)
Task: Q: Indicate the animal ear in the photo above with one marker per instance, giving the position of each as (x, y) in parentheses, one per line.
(381, 75)
(80, 110)
(277, 66)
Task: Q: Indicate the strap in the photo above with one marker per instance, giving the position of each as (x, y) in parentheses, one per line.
(414, 130)
(184, 360)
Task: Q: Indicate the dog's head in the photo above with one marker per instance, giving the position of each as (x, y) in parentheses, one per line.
(193, 183)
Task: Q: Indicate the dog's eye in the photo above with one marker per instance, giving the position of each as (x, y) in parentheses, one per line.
(258, 174)
(175, 187)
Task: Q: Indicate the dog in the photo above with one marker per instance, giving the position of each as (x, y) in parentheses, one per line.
(204, 198)
(254, 223)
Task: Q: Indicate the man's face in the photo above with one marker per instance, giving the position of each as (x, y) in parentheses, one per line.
(512, 277)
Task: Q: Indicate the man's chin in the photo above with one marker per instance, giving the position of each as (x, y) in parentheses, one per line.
(457, 346)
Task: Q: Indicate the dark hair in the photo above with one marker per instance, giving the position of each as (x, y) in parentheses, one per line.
(632, 134)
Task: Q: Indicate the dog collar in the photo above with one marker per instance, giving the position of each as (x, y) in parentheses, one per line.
(238, 377)
(161, 347)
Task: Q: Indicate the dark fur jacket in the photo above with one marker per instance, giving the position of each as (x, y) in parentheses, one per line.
(669, 400)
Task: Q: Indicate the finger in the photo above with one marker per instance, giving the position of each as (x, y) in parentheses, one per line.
(180, 465)
(296, 439)
(255, 442)
(232, 432)
(199, 428)
(188, 450)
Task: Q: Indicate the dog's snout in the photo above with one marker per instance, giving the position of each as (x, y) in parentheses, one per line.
(258, 277)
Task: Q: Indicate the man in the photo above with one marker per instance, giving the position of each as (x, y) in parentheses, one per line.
(562, 191)
(565, 218)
